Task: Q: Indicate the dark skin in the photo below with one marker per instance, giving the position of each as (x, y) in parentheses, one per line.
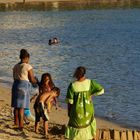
(19, 112)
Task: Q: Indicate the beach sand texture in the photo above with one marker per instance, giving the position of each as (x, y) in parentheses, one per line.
(57, 123)
(26, 1)
(15, 1)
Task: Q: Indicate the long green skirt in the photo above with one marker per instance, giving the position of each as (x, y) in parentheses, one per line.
(87, 133)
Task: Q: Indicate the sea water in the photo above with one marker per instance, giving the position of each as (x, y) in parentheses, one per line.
(105, 41)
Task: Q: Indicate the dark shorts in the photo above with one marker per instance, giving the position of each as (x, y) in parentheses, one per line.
(40, 112)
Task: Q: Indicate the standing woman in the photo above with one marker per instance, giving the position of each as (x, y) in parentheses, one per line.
(82, 123)
(22, 75)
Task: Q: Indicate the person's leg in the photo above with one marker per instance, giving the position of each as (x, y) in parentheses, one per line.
(46, 127)
(16, 118)
(37, 119)
(21, 118)
(36, 126)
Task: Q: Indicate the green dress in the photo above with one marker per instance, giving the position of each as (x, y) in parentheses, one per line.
(82, 124)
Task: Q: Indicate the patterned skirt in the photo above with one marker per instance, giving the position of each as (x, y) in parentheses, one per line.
(87, 133)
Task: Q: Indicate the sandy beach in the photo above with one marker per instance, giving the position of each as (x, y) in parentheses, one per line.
(14, 1)
(20, 1)
(57, 123)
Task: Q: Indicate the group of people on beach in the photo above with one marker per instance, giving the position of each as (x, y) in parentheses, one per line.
(82, 123)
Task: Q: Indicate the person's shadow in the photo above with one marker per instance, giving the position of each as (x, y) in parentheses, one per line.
(57, 129)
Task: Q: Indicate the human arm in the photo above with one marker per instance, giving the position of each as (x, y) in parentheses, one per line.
(99, 92)
(31, 77)
(69, 98)
(96, 89)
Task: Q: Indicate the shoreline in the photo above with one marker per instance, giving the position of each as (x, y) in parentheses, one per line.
(57, 123)
(6, 98)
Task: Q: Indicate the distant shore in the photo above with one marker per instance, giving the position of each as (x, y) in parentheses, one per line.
(15, 1)
(26, 1)
(87, 1)
(17, 5)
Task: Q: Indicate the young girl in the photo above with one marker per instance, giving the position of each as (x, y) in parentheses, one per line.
(45, 87)
(46, 83)
(41, 108)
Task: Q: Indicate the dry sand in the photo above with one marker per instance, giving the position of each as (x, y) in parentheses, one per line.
(15, 1)
(58, 120)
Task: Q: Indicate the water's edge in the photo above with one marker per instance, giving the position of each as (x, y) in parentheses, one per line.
(62, 103)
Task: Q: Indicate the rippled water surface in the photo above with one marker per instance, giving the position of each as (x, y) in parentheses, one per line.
(106, 42)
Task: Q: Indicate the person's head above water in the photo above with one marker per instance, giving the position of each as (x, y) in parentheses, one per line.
(53, 41)
(50, 42)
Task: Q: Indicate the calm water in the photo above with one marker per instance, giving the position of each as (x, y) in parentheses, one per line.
(107, 42)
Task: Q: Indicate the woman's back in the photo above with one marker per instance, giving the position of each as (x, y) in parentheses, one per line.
(80, 106)
(20, 71)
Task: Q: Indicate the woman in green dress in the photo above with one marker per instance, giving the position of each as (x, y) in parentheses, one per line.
(82, 123)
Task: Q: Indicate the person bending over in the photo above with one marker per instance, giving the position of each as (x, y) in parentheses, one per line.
(42, 106)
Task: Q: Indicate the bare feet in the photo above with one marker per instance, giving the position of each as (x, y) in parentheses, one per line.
(21, 128)
(47, 136)
(36, 131)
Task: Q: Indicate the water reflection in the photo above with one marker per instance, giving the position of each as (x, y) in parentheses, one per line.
(20, 21)
(70, 5)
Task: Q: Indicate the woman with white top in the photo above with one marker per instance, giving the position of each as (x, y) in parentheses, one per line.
(22, 75)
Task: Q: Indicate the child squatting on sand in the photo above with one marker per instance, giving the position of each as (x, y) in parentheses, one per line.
(42, 106)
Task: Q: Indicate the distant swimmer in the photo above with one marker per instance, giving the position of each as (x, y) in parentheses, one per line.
(53, 41)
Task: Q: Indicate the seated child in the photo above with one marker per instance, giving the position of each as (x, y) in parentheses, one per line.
(42, 105)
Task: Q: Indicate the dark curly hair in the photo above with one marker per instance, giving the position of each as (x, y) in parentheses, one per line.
(43, 79)
(79, 72)
(23, 54)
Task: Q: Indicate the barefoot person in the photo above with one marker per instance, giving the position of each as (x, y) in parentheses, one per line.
(42, 107)
(82, 123)
(22, 75)
(45, 86)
